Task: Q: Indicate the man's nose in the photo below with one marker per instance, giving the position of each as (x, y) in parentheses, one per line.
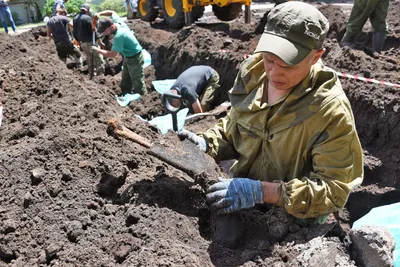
(275, 70)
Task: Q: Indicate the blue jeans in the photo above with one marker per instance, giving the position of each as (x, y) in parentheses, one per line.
(5, 12)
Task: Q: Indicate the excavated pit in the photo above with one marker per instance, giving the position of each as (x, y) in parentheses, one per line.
(72, 195)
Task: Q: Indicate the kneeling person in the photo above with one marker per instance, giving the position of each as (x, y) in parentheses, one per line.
(197, 86)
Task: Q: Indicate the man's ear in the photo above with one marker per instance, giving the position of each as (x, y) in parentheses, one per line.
(317, 55)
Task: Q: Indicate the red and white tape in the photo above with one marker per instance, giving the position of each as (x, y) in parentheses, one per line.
(346, 75)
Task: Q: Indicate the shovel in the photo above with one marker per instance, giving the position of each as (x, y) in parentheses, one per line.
(94, 22)
(168, 98)
(188, 158)
(184, 155)
(215, 112)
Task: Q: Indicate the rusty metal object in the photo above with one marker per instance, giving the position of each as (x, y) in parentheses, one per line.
(116, 128)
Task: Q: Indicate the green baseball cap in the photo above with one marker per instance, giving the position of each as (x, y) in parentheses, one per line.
(293, 29)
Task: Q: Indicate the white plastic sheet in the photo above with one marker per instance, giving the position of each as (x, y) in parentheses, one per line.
(162, 86)
(164, 123)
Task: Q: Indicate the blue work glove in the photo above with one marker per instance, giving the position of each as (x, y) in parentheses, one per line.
(230, 195)
(200, 142)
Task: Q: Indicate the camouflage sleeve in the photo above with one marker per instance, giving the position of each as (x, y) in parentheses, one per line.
(337, 168)
(219, 146)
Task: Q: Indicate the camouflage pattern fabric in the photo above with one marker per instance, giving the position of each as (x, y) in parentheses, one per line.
(375, 10)
(208, 96)
(98, 59)
(307, 141)
(133, 75)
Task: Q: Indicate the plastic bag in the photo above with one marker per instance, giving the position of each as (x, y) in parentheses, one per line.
(162, 86)
(126, 99)
(147, 58)
(388, 217)
(164, 123)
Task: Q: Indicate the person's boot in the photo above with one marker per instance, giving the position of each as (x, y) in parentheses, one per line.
(227, 229)
(348, 39)
(378, 41)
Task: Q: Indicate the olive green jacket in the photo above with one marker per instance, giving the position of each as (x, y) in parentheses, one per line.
(307, 141)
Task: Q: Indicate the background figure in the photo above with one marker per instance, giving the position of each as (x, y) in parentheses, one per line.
(57, 28)
(5, 12)
(376, 11)
(82, 31)
(58, 4)
(126, 44)
(197, 86)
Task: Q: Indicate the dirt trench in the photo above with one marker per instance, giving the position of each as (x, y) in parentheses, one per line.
(72, 195)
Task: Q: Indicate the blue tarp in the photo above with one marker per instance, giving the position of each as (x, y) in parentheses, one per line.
(162, 86)
(147, 58)
(126, 99)
(389, 217)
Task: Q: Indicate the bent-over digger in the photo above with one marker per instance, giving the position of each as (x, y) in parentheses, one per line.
(178, 13)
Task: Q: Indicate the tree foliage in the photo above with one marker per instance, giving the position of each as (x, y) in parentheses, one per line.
(72, 7)
(116, 5)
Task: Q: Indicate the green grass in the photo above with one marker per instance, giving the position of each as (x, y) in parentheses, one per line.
(24, 26)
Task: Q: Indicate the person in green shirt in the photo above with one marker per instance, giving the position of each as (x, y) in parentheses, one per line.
(125, 43)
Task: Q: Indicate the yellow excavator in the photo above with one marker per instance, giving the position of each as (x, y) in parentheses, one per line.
(178, 13)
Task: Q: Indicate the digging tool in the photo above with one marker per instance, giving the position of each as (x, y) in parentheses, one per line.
(215, 112)
(169, 98)
(184, 155)
(94, 23)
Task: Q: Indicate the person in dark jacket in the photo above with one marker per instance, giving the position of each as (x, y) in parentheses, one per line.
(57, 29)
(197, 86)
(82, 31)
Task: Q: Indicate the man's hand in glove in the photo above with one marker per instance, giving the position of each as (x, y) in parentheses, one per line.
(95, 48)
(230, 195)
(192, 137)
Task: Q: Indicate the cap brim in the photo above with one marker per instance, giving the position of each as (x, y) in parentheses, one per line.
(291, 53)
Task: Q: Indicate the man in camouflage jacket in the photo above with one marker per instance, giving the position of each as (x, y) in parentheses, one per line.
(291, 128)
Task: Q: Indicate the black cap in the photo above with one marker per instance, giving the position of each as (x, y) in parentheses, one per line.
(85, 7)
(104, 24)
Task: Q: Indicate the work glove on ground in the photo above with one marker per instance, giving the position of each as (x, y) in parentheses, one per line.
(231, 195)
(200, 142)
